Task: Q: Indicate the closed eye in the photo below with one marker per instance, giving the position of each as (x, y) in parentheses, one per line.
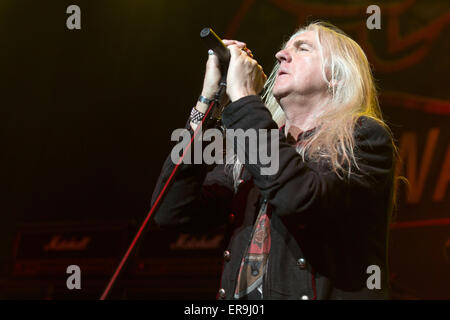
(303, 48)
(302, 45)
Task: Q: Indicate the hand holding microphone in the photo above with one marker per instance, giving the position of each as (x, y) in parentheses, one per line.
(244, 75)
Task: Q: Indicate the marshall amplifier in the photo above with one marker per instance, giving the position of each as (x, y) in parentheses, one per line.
(48, 249)
(171, 264)
(166, 264)
(175, 253)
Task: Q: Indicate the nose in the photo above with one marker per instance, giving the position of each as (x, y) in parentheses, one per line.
(283, 55)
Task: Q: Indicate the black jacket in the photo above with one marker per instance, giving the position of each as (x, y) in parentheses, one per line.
(325, 231)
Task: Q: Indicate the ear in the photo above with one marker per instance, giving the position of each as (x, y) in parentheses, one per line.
(332, 86)
(333, 83)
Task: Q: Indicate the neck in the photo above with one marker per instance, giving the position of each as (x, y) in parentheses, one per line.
(301, 112)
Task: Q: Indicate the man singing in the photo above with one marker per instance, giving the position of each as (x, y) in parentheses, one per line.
(318, 227)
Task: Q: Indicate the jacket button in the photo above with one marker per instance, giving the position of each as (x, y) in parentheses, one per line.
(222, 293)
(227, 255)
(301, 263)
(305, 298)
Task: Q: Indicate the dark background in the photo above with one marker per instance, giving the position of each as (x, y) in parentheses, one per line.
(86, 115)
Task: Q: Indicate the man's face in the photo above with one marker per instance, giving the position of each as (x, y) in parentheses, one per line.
(300, 71)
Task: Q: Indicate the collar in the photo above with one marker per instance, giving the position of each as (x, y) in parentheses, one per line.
(296, 135)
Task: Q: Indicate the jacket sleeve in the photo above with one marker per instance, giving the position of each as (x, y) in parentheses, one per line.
(197, 198)
(308, 189)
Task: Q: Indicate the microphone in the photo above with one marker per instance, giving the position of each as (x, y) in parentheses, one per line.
(213, 42)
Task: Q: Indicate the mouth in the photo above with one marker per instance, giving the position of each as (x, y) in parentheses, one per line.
(281, 72)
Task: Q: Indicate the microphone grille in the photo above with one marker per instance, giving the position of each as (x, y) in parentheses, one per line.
(205, 32)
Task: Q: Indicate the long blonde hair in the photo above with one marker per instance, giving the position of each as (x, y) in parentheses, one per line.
(352, 94)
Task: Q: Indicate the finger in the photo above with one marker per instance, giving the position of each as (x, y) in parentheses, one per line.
(235, 51)
(240, 44)
(211, 55)
(262, 71)
(213, 60)
(238, 52)
(249, 52)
